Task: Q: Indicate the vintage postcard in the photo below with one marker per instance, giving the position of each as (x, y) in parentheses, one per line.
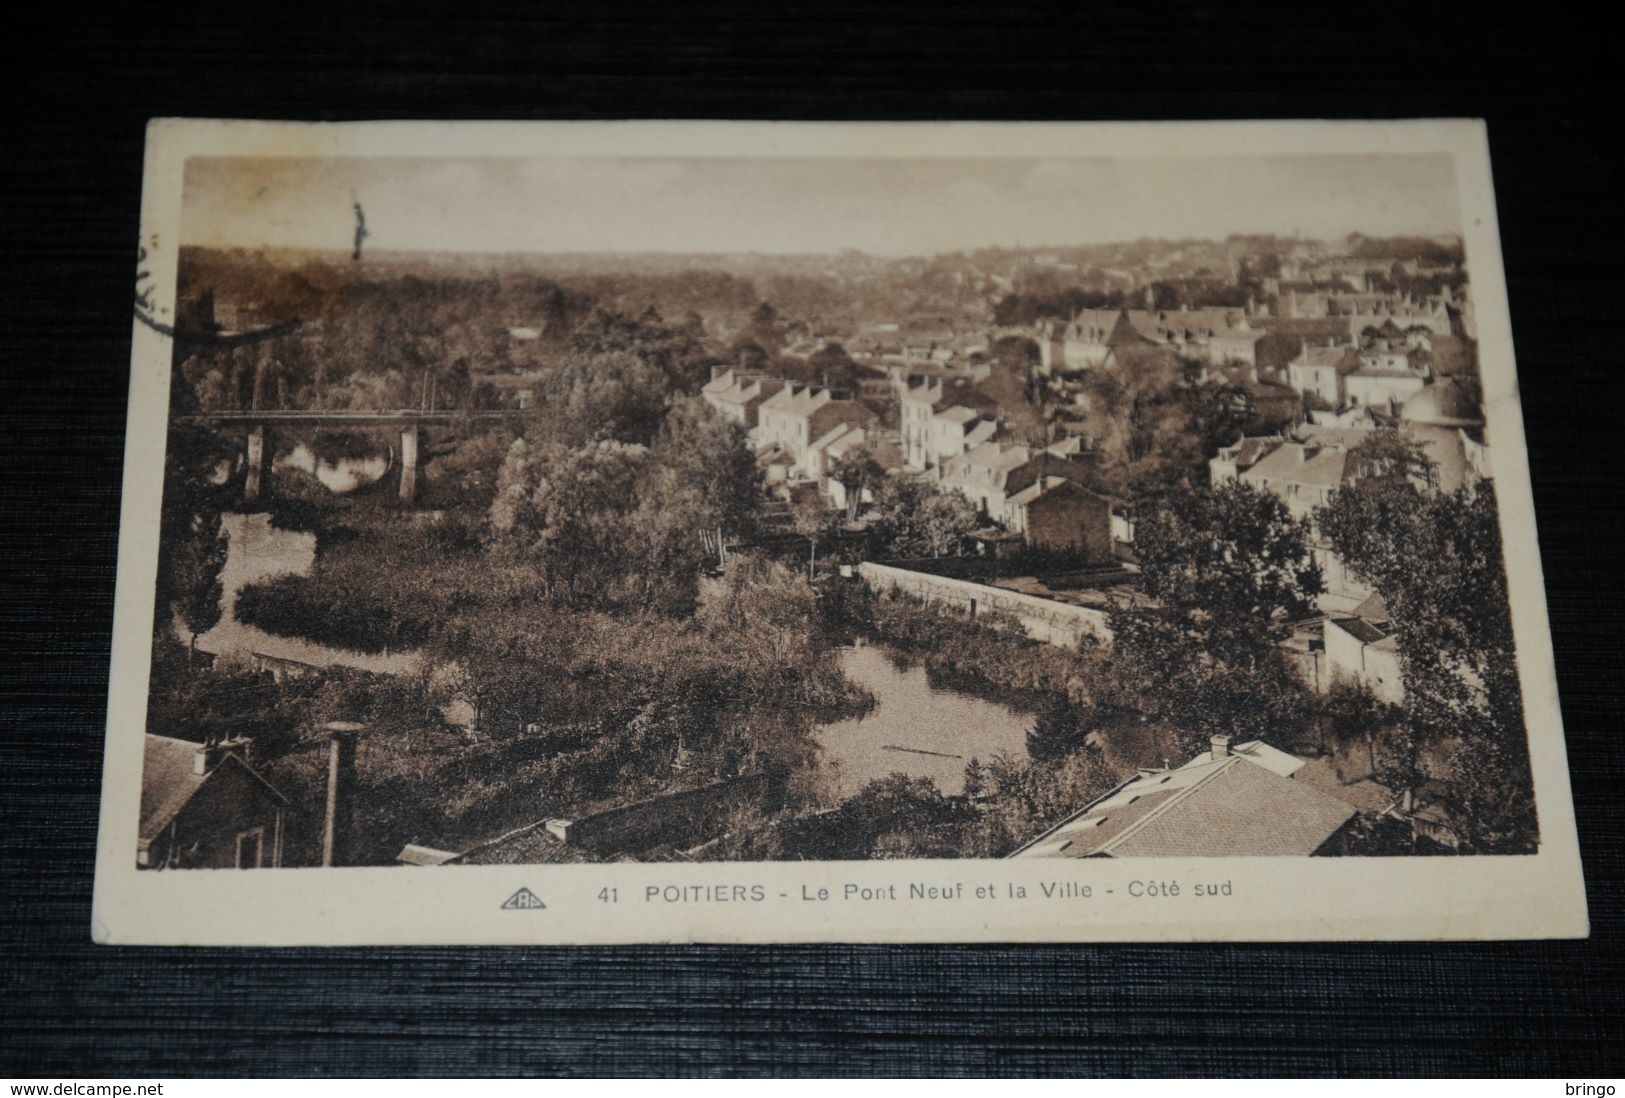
(656, 532)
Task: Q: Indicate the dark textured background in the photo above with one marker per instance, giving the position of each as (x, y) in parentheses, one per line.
(80, 89)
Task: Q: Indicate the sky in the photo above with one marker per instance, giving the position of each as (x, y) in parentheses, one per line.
(912, 206)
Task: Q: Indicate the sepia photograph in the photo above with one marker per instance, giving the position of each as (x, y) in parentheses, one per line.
(602, 508)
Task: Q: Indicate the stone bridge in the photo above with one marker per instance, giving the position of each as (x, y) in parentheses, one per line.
(258, 425)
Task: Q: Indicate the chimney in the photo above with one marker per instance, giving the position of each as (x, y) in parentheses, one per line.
(341, 740)
(1221, 747)
(208, 756)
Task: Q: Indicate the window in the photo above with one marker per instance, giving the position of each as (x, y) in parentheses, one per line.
(251, 848)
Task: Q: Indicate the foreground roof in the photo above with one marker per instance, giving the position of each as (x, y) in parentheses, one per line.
(1237, 805)
(169, 781)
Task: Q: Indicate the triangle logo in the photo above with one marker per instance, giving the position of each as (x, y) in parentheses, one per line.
(523, 900)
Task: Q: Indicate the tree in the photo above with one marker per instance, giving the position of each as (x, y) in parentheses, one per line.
(563, 511)
(1057, 732)
(895, 816)
(943, 521)
(1228, 571)
(197, 564)
(830, 365)
(1391, 457)
(1218, 414)
(764, 328)
(1025, 797)
(1436, 560)
(975, 778)
(858, 472)
(912, 518)
(1017, 354)
(611, 395)
(192, 543)
(676, 352)
(813, 520)
(710, 456)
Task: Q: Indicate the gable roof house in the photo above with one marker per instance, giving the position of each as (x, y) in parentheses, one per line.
(793, 419)
(1237, 344)
(1322, 371)
(739, 397)
(1054, 512)
(1231, 801)
(1363, 649)
(942, 417)
(1304, 475)
(204, 807)
(979, 474)
(1189, 332)
(1384, 377)
(1090, 337)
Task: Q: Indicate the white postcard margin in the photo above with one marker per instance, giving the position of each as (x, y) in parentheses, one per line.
(1517, 897)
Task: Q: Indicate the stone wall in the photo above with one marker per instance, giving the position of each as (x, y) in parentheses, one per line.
(1044, 619)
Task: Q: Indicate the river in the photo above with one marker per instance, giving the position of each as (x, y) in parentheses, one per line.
(919, 729)
(260, 551)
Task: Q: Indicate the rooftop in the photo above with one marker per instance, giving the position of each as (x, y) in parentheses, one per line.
(1297, 463)
(1242, 804)
(169, 780)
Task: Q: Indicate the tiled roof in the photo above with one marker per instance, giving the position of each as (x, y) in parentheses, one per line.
(1372, 608)
(169, 781)
(829, 436)
(982, 432)
(1295, 463)
(1240, 810)
(1233, 806)
(997, 456)
(1249, 450)
(1358, 628)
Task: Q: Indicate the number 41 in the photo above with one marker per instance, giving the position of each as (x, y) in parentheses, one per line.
(609, 895)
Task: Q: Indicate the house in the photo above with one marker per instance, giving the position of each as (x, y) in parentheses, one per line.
(739, 397)
(1238, 344)
(1362, 649)
(979, 474)
(958, 430)
(1321, 371)
(1385, 376)
(1062, 515)
(1267, 401)
(203, 806)
(1228, 802)
(1304, 474)
(881, 446)
(1228, 463)
(1087, 340)
(1368, 310)
(1189, 332)
(941, 416)
(795, 417)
